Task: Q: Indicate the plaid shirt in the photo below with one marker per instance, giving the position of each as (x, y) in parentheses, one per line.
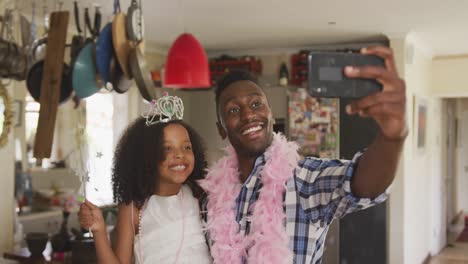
(318, 192)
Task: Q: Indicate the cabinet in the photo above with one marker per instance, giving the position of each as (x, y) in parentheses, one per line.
(48, 221)
(299, 68)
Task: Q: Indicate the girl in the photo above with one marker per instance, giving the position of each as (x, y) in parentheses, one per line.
(155, 169)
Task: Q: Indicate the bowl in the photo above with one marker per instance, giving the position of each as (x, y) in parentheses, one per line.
(36, 242)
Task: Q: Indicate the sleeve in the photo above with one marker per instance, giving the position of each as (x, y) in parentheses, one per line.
(324, 189)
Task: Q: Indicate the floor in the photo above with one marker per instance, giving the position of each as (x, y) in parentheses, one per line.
(455, 254)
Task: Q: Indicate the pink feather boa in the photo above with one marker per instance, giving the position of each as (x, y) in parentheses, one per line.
(268, 240)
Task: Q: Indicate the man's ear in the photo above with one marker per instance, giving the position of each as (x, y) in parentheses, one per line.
(222, 133)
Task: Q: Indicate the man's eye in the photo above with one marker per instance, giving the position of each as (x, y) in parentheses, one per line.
(233, 110)
(167, 148)
(256, 104)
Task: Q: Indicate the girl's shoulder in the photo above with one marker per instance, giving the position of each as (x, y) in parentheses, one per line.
(129, 213)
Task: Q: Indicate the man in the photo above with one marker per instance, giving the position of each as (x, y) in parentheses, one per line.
(265, 204)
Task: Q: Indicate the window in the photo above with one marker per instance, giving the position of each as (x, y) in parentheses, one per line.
(99, 126)
(31, 119)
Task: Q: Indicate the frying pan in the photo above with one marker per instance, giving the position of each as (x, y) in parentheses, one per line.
(34, 78)
(34, 74)
(104, 52)
(119, 82)
(142, 75)
(84, 73)
(121, 44)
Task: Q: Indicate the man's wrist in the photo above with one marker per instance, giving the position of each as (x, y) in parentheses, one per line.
(397, 139)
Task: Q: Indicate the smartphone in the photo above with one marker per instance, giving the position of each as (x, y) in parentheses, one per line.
(326, 76)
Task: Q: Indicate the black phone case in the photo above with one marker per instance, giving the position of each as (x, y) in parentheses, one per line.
(326, 76)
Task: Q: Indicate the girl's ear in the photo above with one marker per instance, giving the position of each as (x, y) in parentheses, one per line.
(222, 133)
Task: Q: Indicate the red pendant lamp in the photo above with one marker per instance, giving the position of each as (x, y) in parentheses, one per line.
(187, 65)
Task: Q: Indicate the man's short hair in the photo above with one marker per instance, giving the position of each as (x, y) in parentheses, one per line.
(232, 77)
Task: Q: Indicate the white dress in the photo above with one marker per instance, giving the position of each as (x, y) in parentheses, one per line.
(165, 228)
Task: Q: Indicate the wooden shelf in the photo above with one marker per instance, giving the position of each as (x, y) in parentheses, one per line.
(219, 67)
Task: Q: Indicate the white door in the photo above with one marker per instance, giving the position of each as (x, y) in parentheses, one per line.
(463, 161)
(450, 173)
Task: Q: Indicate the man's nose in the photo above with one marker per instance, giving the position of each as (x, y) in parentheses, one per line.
(247, 114)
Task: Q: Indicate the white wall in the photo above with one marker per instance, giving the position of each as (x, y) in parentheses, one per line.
(449, 76)
(422, 167)
(202, 117)
(462, 155)
(395, 218)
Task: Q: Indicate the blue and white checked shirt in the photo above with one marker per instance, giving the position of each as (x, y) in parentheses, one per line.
(318, 192)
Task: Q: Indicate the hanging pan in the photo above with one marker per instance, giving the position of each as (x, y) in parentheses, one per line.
(142, 75)
(118, 80)
(104, 52)
(120, 41)
(84, 73)
(34, 78)
(35, 72)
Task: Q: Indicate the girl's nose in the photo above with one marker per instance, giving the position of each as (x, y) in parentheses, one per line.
(178, 154)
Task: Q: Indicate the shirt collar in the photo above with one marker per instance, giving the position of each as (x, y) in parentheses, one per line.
(259, 163)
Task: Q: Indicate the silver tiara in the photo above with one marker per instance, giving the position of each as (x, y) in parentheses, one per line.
(164, 109)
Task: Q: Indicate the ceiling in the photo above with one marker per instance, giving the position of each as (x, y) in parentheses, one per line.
(441, 27)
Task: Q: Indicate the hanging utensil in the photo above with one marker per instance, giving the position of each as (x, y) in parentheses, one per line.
(25, 32)
(142, 75)
(84, 73)
(134, 22)
(119, 82)
(77, 40)
(96, 24)
(33, 82)
(120, 41)
(46, 17)
(104, 52)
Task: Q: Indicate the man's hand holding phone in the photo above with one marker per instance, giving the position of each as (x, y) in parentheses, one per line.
(387, 107)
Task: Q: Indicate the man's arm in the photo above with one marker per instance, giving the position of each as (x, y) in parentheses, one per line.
(376, 168)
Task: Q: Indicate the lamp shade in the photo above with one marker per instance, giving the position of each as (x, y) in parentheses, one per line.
(187, 64)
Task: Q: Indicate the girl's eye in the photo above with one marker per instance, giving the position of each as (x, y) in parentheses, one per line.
(188, 148)
(167, 148)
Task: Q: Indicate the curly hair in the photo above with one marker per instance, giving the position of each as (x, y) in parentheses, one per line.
(138, 155)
